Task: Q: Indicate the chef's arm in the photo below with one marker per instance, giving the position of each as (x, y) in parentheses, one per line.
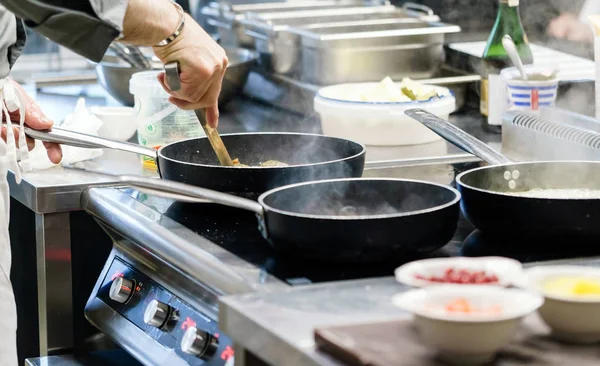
(89, 26)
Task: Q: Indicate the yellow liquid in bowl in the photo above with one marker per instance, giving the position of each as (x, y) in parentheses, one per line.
(572, 286)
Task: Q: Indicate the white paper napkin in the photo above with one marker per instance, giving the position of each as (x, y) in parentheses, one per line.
(79, 121)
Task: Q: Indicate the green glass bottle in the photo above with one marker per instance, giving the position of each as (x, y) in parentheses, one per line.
(495, 57)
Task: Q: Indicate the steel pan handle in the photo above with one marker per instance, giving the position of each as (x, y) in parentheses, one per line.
(418, 8)
(458, 137)
(77, 139)
(190, 192)
(179, 191)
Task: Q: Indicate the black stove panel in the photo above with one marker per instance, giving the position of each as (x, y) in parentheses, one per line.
(134, 295)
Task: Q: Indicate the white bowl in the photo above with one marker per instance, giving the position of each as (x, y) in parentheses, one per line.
(467, 339)
(118, 123)
(377, 124)
(508, 271)
(572, 318)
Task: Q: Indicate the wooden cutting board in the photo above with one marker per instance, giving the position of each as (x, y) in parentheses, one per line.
(396, 343)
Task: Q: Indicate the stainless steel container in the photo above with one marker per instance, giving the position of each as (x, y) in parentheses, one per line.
(227, 17)
(358, 53)
(280, 50)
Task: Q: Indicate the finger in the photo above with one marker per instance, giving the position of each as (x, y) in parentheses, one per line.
(36, 119)
(212, 116)
(162, 79)
(30, 142)
(54, 152)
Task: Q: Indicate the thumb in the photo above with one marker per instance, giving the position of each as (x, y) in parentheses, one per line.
(36, 119)
(212, 116)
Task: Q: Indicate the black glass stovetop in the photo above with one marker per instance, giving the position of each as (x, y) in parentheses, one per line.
(236, 231)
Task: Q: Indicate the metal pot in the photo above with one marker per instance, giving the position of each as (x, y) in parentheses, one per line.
(114, 75)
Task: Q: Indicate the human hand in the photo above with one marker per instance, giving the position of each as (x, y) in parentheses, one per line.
(202, 65)
(36, 119)
(568, 26)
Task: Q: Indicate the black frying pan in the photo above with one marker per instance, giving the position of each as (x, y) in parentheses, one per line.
(353, 219)
(488, 203)
(193, 161)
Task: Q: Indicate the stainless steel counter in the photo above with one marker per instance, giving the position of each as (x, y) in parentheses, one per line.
(278, 327)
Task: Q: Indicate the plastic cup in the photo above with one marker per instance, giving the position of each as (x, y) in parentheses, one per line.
(529, 95)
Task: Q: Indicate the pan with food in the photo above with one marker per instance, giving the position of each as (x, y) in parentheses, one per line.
(339, 220)
(535, 199)
(270, 159)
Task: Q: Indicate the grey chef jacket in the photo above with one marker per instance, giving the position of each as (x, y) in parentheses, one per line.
(86, 27)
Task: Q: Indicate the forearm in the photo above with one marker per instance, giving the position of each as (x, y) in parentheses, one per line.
(148, 22)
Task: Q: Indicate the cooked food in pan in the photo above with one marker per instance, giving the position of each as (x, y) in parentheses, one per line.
(566, 193)
(268, 163)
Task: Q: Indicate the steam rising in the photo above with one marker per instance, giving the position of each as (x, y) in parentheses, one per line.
(360, 198)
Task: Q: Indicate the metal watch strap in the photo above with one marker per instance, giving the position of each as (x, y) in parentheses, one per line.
(177, 32)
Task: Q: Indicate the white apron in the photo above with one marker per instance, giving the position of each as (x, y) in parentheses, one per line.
(8, 160)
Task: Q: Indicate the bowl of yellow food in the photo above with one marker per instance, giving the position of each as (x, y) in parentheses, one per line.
(467, 325)
(572, 301)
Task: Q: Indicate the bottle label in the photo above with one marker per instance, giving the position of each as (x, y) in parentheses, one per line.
(511, 3)
(484, 93)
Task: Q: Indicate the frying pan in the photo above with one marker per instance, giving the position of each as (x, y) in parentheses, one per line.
(193, 161)
(489, 206)
(343, 220)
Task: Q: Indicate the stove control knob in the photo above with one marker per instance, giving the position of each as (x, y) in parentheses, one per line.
(157, 313)
(198, 343)
(121, 289)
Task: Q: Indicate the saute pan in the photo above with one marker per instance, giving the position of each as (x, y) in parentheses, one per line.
(340, 220)
(566, 202)
(193, 161)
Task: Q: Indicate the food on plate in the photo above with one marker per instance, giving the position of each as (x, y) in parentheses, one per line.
(567, 193)
(462, 305)
(268, 163)
(572, 286)
(387, 91)
(461, 276)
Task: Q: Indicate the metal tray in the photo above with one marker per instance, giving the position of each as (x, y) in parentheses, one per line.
(226, 17)
(358, 53)
(280, 50)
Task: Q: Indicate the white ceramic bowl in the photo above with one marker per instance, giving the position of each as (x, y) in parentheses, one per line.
(572, 318)
(467, 339)
(377, 124)
(118, 123)
(508, 271)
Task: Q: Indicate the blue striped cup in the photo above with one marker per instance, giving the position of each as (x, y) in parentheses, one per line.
(530, 95)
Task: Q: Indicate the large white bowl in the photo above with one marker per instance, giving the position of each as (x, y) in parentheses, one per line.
(377, 124)
(508, 271)
(573, 319)
(118, 123)
(467, 339)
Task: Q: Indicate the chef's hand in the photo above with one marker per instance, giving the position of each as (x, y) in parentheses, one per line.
(568, 26)
(202, 62)
(36, 119)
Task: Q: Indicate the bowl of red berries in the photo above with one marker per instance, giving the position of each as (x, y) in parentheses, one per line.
(490, 271)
